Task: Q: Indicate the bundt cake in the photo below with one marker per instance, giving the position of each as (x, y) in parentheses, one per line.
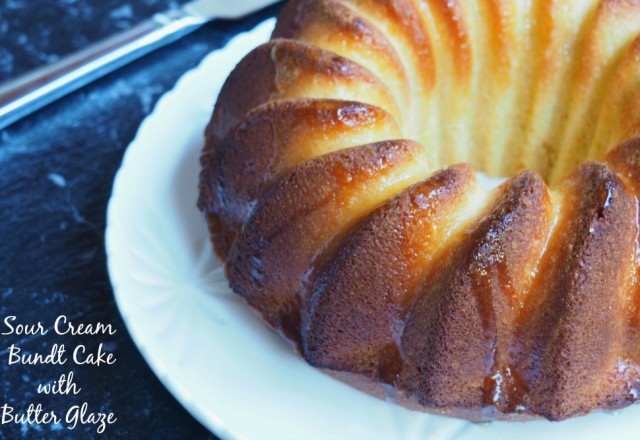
(341, 182)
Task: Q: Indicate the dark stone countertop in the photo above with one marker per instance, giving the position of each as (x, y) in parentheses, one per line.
(57, 169)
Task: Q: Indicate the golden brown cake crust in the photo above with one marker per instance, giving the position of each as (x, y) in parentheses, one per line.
(580, 286)
(276, 70)
(340, 186)
(466, 310)
(358, 304)
(269, 141)
(313, 202)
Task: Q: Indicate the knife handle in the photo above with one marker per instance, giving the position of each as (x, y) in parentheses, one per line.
(27, 93)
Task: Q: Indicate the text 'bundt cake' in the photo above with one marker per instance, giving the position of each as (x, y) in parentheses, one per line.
(339, 184)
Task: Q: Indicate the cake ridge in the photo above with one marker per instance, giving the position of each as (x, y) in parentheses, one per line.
(400, 22)
(550, 100)
(622, 84)
(308, 20)
(597, 66)
(395, 222)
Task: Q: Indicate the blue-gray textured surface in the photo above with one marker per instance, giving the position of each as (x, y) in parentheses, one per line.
(57, 168)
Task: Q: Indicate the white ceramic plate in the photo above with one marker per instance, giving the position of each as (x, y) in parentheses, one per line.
(234, 375)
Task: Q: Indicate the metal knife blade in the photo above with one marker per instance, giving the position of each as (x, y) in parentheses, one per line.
(25, 94)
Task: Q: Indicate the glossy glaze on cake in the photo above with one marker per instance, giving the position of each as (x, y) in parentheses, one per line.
(340, 187)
